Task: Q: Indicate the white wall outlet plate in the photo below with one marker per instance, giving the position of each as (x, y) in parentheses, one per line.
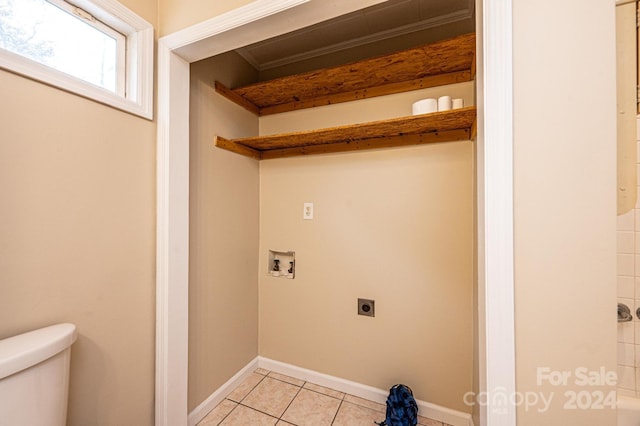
(307, 213)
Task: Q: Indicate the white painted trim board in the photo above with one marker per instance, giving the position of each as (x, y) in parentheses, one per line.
(495, 215)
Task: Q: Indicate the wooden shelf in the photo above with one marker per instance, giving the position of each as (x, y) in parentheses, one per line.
(444, 62)
(446, 126)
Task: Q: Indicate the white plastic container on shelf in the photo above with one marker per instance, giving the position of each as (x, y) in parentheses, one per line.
(425, 106)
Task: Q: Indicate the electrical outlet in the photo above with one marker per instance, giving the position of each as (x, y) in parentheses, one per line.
(367, 307)
(307, 213)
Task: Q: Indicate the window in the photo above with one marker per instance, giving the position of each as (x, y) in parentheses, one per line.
(95, 48)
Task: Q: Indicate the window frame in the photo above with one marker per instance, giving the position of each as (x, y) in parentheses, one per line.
(136, 96)
(121, 39)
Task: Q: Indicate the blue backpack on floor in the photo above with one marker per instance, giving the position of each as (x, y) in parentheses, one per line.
(402, 409)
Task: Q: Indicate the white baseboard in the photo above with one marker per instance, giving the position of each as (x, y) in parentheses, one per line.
(426, 409)
(221, 393)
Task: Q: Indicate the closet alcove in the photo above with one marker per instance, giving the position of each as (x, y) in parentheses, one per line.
(393, 219)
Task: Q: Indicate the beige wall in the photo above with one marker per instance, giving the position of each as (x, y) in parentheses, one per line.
(626, 97)
(565, 199)
(77, 232)
(224, 219)
(175, 15)
(391, 225)
(379, 108)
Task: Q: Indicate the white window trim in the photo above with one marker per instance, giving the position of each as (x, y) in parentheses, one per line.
(119, 37)
(138, 99)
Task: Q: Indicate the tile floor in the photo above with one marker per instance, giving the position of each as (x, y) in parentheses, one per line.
(268, 398)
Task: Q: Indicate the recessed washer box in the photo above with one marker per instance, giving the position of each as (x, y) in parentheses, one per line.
(282, 264)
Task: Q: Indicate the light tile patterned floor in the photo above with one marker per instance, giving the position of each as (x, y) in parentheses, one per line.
(268, 398)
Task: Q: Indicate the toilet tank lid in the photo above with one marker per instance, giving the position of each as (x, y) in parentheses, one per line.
(28, 349)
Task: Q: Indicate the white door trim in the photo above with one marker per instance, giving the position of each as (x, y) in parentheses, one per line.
(172, 239)
(496, 317)
(258, 21)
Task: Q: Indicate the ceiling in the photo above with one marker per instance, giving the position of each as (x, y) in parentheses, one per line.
(389, 26)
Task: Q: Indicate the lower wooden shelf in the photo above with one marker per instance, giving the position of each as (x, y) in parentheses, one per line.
(446, 126)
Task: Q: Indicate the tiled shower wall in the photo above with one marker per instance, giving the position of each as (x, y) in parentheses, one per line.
(629, 293)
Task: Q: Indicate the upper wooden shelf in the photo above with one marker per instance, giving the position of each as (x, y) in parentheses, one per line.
(444, 62)
(446, 126)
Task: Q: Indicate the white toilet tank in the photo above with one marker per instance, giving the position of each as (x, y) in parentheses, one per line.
(34, 376)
